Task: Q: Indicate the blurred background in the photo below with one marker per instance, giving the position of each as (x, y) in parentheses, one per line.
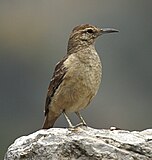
(33, 38)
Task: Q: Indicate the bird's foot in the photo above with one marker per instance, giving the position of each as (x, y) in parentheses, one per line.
(81, 124)
(77, 126)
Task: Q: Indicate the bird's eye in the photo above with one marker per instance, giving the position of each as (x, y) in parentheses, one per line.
(90, 31)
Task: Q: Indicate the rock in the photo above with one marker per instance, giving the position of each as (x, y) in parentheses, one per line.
(82, 143)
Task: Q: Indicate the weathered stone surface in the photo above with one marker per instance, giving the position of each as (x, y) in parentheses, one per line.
(83, 143)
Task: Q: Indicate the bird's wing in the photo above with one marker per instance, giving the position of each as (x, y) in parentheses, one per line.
(56, 80)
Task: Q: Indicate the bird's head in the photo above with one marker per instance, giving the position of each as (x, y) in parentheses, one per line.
(85, 35)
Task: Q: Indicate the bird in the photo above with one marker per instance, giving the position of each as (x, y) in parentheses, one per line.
(76, 77)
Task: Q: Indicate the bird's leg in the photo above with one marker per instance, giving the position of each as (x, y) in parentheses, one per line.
(68, 120)
(81, 119)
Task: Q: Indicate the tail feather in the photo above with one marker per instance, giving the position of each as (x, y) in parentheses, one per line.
(49, 121)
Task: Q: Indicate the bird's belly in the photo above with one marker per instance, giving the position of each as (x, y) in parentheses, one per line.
(78, 97)
(80, 85)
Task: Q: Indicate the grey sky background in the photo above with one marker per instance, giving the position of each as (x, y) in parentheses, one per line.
(33, 38)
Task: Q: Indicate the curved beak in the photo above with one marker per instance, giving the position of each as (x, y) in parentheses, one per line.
(108, 30)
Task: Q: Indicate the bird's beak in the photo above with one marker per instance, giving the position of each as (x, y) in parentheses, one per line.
(108, 30)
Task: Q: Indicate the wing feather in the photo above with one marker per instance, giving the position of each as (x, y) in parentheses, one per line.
(57, 78)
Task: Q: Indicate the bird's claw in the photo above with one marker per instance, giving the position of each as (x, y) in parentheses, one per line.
(76, 126)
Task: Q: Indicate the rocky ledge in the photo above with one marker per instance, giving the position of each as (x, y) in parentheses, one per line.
(82, 143)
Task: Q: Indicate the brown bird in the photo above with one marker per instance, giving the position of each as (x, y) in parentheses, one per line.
(77, 76)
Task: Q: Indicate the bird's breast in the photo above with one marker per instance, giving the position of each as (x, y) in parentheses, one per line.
(80, 83)
(84, 70)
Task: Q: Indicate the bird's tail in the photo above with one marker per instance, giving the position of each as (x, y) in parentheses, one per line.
(49, 121)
